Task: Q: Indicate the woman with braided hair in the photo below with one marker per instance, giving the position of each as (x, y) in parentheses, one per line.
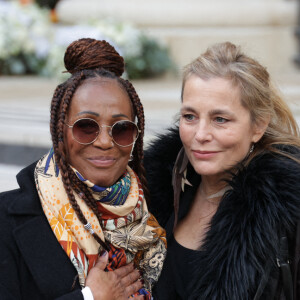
(78, 227)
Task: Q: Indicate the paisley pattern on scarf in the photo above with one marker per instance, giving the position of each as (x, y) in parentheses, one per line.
(132, 233)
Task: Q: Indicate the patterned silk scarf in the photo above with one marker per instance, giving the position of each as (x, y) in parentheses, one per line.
(126, 224)
(113, 195)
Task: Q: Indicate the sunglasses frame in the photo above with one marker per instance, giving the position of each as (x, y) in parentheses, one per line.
(109, 132)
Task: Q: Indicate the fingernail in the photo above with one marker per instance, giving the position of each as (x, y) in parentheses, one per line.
(141, 273)
(142, 281)
(103, 253)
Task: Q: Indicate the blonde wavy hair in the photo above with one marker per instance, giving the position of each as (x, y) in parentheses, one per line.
(258, 94)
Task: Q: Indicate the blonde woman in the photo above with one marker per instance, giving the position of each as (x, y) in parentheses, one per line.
(233, 223)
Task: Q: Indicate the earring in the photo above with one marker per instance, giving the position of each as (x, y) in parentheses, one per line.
(131, 155)
(251, 148)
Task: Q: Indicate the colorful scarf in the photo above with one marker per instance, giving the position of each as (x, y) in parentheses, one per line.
(131, 231)
(113, 195)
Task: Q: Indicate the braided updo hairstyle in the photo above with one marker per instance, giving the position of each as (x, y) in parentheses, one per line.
(87, 59)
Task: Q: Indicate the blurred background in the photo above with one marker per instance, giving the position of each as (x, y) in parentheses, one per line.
(157, 38)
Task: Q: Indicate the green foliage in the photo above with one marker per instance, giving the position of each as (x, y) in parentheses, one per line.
(21, 64)
(34, 45)
(153, 60)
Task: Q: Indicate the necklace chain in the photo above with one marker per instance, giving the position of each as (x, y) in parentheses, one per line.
(219, 193)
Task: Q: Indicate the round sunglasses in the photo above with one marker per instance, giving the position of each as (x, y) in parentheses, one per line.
(85, 131)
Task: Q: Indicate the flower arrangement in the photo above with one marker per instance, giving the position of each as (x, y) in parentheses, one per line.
(32, 44)
(24, 42)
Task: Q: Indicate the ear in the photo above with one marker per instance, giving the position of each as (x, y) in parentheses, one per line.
(259, 129)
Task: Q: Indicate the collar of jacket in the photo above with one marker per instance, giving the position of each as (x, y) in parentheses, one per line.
(25, 201)
(51, 269)
(159, 159)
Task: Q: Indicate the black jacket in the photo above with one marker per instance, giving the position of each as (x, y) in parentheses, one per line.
(32, 263)
(242, 246)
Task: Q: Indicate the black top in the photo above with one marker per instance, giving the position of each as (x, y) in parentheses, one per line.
(177, 273)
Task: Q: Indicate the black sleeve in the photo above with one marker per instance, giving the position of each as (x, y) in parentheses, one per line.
(9, 274)
(16, 282)
(75, 295)
(10, 284)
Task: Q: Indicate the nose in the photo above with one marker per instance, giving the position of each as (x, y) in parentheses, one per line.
(203, 131)
(104, 139)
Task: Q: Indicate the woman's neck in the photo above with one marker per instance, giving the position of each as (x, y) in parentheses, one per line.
(212, 185)
(212, 189)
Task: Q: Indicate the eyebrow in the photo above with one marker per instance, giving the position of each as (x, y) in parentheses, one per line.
(97, 115)
(120, 115)
(220, 112)
(187, 108)
(212, 112)
(88, 112)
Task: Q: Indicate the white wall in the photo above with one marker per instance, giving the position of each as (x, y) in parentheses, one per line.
(264, 28)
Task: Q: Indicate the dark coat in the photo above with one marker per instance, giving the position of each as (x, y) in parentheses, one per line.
(243, 243)
(33, 265)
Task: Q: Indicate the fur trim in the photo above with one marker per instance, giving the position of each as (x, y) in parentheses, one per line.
(159, 160)
(245, 231)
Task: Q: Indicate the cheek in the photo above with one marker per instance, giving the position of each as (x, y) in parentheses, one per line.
(237, 144)
(73, 151)
(186, 134)
(69, 144)
(125, 153)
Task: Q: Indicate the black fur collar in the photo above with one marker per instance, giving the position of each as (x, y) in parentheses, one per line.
(244, 235)
(245, 231)
(159, 160)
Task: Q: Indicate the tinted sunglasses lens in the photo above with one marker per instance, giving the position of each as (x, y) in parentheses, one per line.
(85, 131)
(124, 133)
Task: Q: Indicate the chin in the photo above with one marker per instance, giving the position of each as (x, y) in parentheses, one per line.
(102, 177)
(209, 173)
(106, 180)
(102, 183)
(205, 171)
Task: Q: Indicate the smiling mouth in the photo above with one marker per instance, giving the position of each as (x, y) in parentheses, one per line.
(102, 161)
(204, 154)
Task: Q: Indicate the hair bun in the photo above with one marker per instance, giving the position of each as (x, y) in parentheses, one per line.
(89, 53)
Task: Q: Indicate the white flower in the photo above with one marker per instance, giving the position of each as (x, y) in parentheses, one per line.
(29, 39)
(24, 29)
